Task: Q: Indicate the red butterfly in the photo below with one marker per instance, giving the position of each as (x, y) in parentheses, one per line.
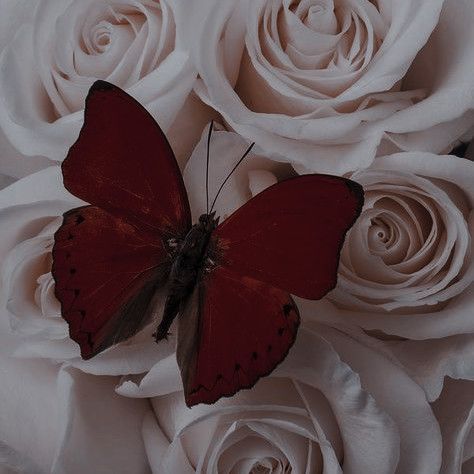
(230, 283)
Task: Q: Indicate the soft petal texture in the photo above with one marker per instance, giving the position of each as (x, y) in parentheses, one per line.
(444, 68)
(14, 12)
(431, 360)
(319, 83)
(315, 412)
(49, 65)
(29, 416)
(89, 405)
(30, 211)
(66, 422)
(13, 462)
(455, 413)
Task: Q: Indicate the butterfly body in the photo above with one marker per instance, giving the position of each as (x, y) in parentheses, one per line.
(229, 283)
(189, 257)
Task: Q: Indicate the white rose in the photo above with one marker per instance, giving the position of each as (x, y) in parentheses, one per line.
(30, 213)
(332, 406)
(406, 267)
(455, 413)
(319, 83)
(62, 421)
(48, 67)
(406, 270)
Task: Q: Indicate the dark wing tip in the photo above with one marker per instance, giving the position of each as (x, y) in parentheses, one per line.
(101, 85)
(98, 86)
(358, 192)
(355, 188)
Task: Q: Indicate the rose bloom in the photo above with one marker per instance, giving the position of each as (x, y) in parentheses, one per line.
(410, 250)
(323, 83)
(46, 69)
(406, 269)
(334, 405)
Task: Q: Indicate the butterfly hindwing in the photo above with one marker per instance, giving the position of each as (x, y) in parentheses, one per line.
(242, 330)
(107, 269)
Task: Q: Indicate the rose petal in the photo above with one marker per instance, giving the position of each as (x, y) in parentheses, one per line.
(89, 405)
(29, 417)
(455, 414)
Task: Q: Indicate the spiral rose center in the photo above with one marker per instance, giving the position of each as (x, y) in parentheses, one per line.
(313, 48)
(101, 36)
(120, 29)
(409, 244)
(381, 233)
(268, 465)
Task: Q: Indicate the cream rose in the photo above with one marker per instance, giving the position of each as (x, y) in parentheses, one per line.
(332, 406)
(30, 213)
(322, 83)
(48, 67)
(406, 267)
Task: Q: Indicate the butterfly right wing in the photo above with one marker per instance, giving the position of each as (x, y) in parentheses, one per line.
(290, 235)
(107, 269)
(285, 240)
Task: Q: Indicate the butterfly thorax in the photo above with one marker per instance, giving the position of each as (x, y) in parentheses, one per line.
(188, 261)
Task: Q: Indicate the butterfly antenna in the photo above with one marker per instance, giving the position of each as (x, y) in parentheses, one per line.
(211, 126)
(230, 174)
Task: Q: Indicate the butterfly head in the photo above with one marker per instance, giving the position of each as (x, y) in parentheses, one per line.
(209, 221)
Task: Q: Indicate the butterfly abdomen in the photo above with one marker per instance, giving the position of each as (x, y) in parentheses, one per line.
(185, 269)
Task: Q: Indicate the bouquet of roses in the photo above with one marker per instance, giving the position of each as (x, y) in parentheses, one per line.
(379, 376)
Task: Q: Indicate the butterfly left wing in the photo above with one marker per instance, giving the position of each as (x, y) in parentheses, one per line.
(233, 331)
(107, 270)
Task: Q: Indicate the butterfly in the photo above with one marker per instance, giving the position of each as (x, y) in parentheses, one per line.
(228, 284)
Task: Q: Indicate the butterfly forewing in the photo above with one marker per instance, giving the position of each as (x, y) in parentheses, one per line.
(290, 235)
(123, 161)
